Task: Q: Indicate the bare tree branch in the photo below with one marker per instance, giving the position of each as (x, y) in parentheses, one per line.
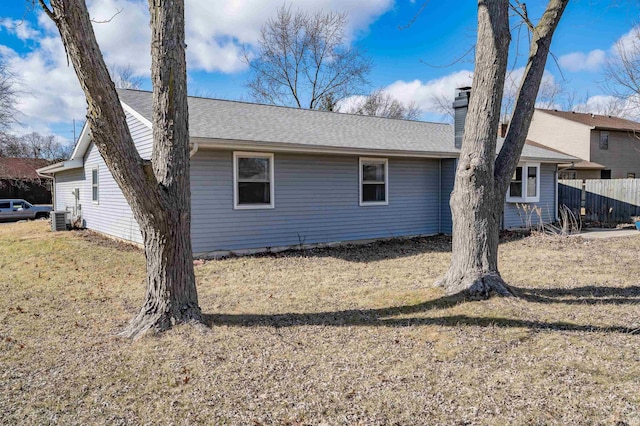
(302, 61)
(382, 104)
(124, 77)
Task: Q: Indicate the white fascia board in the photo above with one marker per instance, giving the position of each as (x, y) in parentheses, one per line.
(238, 145)
(83, 143)
(59, 167)
(85, 138)
(136, 114)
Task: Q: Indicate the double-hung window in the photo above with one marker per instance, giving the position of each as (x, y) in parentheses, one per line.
(374, 181)
(253, 180)
(604, 140)
(525, 184)
(95, 185)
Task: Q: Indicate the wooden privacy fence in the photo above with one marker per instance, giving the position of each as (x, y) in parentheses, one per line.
(601, 200)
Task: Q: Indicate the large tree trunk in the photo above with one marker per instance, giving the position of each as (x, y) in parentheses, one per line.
(475, 202)
(482, 180)
(159, 194)
(171, 291)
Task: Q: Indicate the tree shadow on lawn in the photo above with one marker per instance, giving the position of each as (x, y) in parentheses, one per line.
(587, 295)
(384, 316)
(393, 248)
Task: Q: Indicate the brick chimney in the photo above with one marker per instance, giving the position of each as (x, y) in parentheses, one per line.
(460, 108)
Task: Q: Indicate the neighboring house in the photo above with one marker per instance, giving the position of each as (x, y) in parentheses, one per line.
(19, 179)
(609, 147)
(268, 177)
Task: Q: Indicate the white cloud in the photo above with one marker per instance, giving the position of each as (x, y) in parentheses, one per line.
(49, 89)
(628, 44)
(432, 97)
(123, 33)
(20, 28)
(578, 61)
(428, 95)
(592, 61)
(611, 105)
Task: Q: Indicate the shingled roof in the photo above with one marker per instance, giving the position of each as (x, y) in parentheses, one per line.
(21, 168)
(216, 119)
(603, 122)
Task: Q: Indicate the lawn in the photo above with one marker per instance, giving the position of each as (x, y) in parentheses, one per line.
(350, 335)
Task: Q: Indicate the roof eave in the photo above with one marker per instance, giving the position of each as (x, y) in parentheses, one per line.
(83, 143)
(233, 144)
(321, 149)
(59, 167)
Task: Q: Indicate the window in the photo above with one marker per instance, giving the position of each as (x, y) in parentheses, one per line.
(605, 174)
(604, 140)
(253, 180)
(525, 184)
(94, 185)
(568, 174)
(5, 205)
(374, 179)
(20, 205)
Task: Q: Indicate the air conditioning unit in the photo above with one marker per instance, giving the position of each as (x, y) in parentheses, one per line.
(59, 220)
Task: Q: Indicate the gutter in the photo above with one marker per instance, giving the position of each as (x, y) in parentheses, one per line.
(59, 167)
(243, 145)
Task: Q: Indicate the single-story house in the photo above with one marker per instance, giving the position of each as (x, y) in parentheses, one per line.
(19, 179)
(270, 177)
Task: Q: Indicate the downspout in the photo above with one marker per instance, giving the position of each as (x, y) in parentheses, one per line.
(440, 198)
(53, 187)
(557, 174)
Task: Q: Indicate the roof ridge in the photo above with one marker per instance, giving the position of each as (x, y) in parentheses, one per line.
(303, 110)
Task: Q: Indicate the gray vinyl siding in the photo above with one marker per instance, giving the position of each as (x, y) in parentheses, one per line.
(65, 183)
(141, 135)
(447, 179)
(316, 201)
(547, 201)
(111, 214)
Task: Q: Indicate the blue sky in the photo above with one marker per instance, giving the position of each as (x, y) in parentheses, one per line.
(416, 63)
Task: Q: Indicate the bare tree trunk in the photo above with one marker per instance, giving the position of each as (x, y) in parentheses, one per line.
(475, 202)
(159, 195)
(481, 183)
(171, 290)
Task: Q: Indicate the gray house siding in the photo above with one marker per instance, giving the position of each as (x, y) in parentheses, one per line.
(447, 179)
(111, 214)
(514, 218)
(142, 136)
(316, 201)
(65, 183)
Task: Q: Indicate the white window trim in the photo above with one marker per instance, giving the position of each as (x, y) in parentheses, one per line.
(245, 154)
(386, 181)
(525, 198)
(96, 185)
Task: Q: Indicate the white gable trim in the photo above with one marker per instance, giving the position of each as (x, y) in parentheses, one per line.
(85, 137)
(83, 143)
(136, 114)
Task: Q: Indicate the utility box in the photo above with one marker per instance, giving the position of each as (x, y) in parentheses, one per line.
(59, 220)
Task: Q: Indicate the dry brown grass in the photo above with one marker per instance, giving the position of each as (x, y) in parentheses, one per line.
(340, 336)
